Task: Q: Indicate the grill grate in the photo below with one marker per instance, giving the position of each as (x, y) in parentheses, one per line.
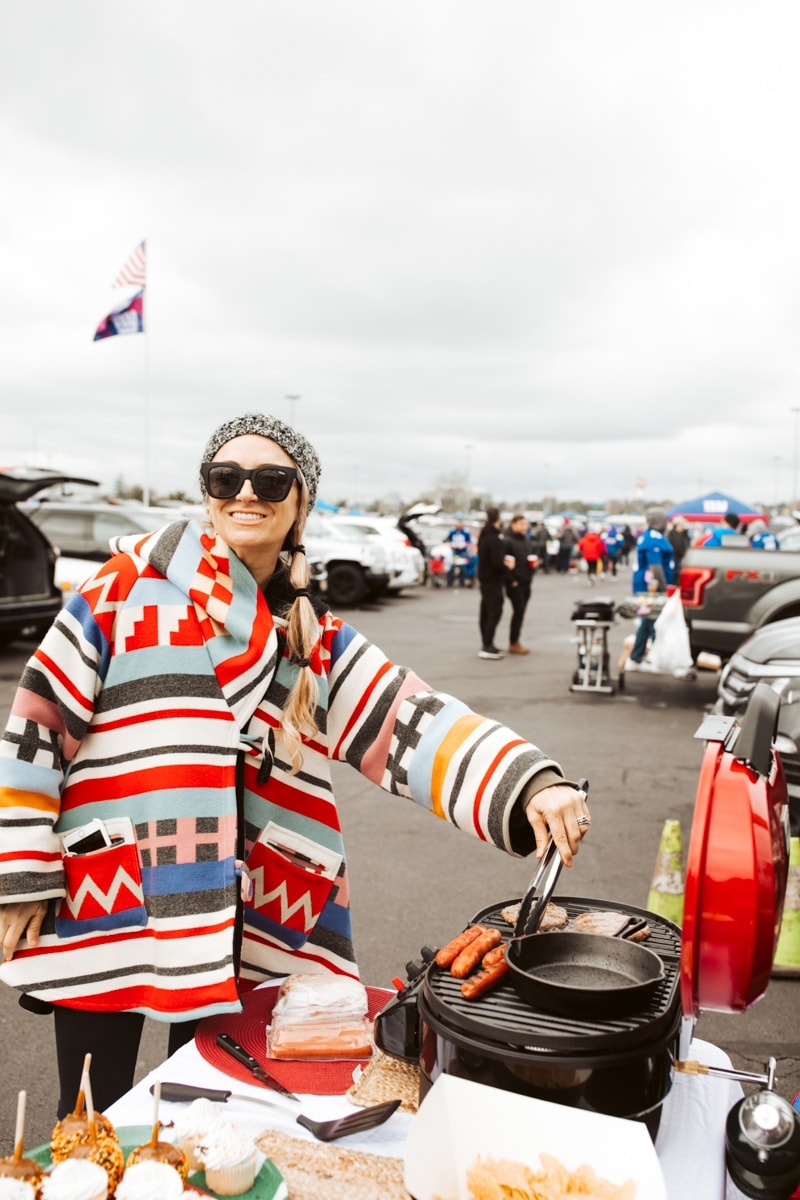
(504, 1018)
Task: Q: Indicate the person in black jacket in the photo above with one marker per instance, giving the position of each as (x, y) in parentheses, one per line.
(492, 573)
(519, 578)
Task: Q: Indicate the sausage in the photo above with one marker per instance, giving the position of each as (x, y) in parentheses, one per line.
(451, 951)
(468, 959)
(494, 956)
(487, 977)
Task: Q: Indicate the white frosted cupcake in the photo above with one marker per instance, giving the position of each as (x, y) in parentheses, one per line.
(150, 1180)
(195, 1126)
(16, 1189)
(229, 1158)
(75, 1179)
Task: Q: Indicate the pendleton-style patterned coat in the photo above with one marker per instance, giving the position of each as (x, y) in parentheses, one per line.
(160, 680)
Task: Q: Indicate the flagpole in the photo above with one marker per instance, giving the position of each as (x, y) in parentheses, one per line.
(146, 485)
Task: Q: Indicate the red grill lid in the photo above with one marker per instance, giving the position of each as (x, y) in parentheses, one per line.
(736, 873)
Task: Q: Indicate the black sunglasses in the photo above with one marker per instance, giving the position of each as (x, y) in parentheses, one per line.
(225, 480)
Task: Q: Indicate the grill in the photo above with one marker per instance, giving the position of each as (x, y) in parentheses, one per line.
(503, 1016)
(619, 1066)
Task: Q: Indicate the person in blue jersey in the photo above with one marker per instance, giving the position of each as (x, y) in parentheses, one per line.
(460, 541)
(728, 526)
(654, 572)
(760, 537)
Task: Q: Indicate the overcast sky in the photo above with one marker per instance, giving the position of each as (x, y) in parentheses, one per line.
(553, 245)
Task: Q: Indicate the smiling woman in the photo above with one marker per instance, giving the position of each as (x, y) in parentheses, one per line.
(220, 689)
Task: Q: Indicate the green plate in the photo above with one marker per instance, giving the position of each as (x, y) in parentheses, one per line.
(269, 1183)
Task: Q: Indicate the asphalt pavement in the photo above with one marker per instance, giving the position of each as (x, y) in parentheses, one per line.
(415, 881)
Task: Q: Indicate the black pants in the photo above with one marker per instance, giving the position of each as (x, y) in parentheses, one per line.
(112, 1039)
(491, 611)
(519, 597)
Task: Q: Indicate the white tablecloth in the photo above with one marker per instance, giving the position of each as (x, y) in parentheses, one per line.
(690, 1142)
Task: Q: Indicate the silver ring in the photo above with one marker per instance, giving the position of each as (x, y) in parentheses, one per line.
(584, 820)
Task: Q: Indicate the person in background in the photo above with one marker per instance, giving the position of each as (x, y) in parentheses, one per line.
(592, 549)
(460, 540)
(539, 537)
(628, 544)
(519, 578)
(654, 572)
(612, 540)
(760, 536)
(491, 578)
(728, 526)
(189, 699)
(678, 538)
(567, 540)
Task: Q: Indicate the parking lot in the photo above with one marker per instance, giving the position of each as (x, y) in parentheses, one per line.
(415, 881)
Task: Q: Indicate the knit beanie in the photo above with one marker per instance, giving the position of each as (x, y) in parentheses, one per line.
(295, 445)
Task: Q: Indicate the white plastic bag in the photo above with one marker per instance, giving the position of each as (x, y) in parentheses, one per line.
(671, 650)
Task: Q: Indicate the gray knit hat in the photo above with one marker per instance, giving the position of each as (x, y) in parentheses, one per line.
(295, 445)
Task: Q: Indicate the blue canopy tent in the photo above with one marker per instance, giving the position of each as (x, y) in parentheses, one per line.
(712, 508)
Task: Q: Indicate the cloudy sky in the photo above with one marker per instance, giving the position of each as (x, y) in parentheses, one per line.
(553, 246)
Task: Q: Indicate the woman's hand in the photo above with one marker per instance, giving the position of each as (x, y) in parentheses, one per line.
(15, 919)
(562, 811)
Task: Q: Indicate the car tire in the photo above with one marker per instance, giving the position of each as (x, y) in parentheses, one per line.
(346, 585)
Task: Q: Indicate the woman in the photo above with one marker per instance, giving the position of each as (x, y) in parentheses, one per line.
(190, 696)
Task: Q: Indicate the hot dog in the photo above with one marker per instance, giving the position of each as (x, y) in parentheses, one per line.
(494, 956)
(451, 951)
(469, 958)
(486, 978)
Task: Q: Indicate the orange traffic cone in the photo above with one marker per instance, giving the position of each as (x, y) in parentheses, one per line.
(666, 890)
(787, 952)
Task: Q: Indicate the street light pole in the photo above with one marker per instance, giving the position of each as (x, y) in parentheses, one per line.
(796, 412)
(292, 401)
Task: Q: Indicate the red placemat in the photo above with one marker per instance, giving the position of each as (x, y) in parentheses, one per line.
(249, 1027)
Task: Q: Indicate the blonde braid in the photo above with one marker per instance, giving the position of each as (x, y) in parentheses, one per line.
(302, 635)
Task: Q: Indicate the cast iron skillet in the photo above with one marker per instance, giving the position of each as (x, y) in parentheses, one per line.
(583, 974)
(578, 974)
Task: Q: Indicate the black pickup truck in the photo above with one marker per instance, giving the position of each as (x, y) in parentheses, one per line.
(729, 591)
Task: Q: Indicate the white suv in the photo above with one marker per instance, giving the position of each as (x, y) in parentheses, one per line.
(356, 564)
(406, 564)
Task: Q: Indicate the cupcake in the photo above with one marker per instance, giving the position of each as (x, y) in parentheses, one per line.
(73, 1129)
(229, 1159)
(16, 1189)
(75, 1179)
(22, 1170)
(150, 1180)
(195, 1126)
(107, 1152)
(163, 1152)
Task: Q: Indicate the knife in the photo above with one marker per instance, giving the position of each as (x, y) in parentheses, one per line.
(186, 1091)
(232, 1047)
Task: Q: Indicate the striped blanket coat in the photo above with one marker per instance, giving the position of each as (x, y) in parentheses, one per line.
(163, 676)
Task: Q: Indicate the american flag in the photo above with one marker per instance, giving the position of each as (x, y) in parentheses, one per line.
(134, 271)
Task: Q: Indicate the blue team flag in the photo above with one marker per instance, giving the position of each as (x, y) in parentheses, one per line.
(127, 318)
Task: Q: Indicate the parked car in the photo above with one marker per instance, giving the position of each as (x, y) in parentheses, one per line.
(355, 564)
(406, 563)
(30, 598)
(771, 655)
(81, 533)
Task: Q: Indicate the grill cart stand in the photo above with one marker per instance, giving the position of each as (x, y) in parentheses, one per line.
(592, 620)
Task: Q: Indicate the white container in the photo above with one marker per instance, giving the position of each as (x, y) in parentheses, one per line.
(460, 1120)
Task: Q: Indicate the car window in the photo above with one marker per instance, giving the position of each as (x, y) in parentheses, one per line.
(67, 530)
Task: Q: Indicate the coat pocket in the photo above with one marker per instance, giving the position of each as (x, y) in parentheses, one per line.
(292, 878)
(104, 887)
